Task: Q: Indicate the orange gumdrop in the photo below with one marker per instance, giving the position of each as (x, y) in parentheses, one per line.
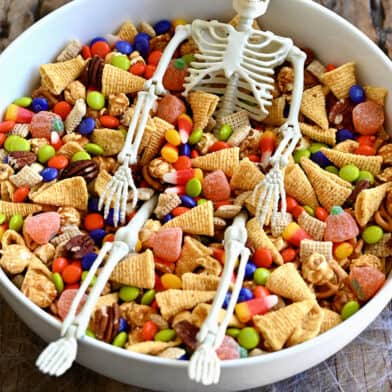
(368, 118)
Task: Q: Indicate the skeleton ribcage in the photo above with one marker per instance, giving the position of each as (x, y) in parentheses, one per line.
(249, 57)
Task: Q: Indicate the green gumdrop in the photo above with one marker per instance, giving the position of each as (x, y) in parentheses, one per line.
(299, 154)
(16, 143)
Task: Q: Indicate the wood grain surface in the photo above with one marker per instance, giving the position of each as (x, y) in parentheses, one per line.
(19, 347)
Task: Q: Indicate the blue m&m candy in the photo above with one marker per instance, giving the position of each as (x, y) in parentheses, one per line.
(163, 27)
(88, 260)
(357, 94)
(184, 149)
(97, 235)
(122, 325)
(167, 218)
(39, 104)
(97, 39)
(321, 159)
(250, 269)
(124, 47)
(226, 300)
(344, 134)
(93, 204)
(87, 126)
(49, 174)
(188, 201)
(245, 295)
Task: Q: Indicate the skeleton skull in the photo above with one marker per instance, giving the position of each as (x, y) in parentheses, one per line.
(251, 8)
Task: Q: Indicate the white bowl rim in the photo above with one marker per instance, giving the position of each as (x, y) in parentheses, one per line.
(379, 301)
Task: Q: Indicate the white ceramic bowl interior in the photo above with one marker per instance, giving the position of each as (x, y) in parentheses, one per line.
(334, 41)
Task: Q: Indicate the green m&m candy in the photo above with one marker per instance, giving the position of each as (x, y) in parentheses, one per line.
(302, 153)
(121, 62)
(372, 234)
(349, 173)
(95, 100)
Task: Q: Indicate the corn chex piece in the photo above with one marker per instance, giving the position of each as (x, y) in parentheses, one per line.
(201, 311)
(156, 141)
(136, 270)
(287, 282)
(198, 220)
(246, 176)
(116, 81)
(56, 76)
(316, 68)
(110, 140)
(9, 209)
(237, 120)
(259, 239)
(276, 116)
(280, 223)
(76, 115)
(38, 285)
(368, 203)
(69, 149)
(318, 134)
(330, 320)
(70, 51)
(309, 328)
(26, 177)
(226, 160)
(340, 159)
(151, 347)
(330, 189)
(71, 192)
(203, 106)
(376, 94)
(127, 31)
(192, 250)
(167, 202)
(312, 226)
(276, 327)
(201, 282)
(382, 248)
(340, 80)
(308, 247)
(298, 186)
(313, 106)
(174, 301)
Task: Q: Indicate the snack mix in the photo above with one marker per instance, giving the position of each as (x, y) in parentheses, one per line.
(58, 150)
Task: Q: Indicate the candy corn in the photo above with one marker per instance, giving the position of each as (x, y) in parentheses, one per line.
(267, 147)
(181, 177)
(18, 114)
(185, 125)
(246, 310)
(180, 190)
(294, 234)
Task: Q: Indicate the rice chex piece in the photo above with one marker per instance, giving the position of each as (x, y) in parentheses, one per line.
(26, 177)
(308, 247)
(312, 226)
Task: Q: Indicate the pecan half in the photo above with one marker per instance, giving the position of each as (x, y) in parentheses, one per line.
(106, 322)
(87, 169)
(20, 159)
(79, 246)
(187, 333)
(340, 115)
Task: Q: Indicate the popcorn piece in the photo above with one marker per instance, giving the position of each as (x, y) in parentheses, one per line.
(118, 104)
(340, 80)
(287, 282)
(26, 177)
(69, 216)
(15, 259)
(136, 270)
(5, 171)
(259, 239)
(75, 91)
(37, 284)
(203, 106)
(45, 253)
(56, 76)
(7, 190)
(313, 106)
(316, 270)
(11, 237)
(71, 192)
(198, 220)
(368, 203)
(135, 314)
(276, 327)
(174, 301)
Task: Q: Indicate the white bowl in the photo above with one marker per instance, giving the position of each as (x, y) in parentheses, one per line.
(334, 41)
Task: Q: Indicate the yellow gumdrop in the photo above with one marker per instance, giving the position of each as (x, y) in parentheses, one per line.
(199, 174)
(179, 22)
(173, 137)
(169, 154)
(171, 281)
(343, 251)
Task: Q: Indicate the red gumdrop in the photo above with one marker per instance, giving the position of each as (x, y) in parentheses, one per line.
(366, 281)
(229, 349)
(368, 118)
(167, 244)
(174, 78)
(65, 301)
(170, 107)
(216, 187)
(42, 227)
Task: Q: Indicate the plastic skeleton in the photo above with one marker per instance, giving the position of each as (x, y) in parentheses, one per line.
(237, 65)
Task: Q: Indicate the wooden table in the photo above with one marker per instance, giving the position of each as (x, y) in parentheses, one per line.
(364, 365)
